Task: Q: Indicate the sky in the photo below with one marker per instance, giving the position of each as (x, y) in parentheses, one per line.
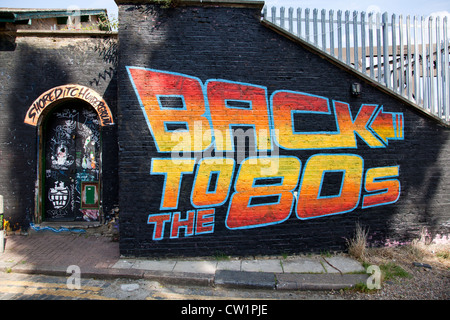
(404, 7)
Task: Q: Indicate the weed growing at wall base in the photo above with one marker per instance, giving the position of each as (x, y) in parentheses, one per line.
(358, 244)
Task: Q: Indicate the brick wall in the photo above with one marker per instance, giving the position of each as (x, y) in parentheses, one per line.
(31, 64)
(370, 158)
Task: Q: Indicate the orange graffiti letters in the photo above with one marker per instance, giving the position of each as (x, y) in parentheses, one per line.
(204, 120)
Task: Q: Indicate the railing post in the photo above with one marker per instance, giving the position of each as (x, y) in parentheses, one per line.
(363, 42)
(347, 37)
(401, 77)
(417, 92)
(394, 54)
(371, 60)
(291, 20)
(331, 28)
(379, 59)
(322, 30)
(307, 24)
(446, 73)
(355, 39)
(424, 66)
(339, 29)
(299, 22)
(387, 69)
(315, 27)
(431, 64)
(408, 53)
(438, 68)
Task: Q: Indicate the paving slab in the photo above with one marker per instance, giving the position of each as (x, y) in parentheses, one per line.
(303, 265)
(124, 264)
(338, 264)
(234, 265)
(268, 265)
(208, 267)
(163, 265)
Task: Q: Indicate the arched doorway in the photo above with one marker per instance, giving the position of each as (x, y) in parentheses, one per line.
(72, 163)
(69, 121)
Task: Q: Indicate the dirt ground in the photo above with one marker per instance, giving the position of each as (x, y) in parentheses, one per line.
(424, 273)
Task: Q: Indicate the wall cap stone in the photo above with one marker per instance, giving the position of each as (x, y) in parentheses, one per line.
(216, 3)
(65, 33)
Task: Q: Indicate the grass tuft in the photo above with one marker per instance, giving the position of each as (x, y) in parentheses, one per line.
(358, 244)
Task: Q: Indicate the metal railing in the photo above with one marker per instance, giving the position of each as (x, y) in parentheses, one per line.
(409, 56)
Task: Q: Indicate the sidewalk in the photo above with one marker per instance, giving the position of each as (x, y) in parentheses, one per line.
(52, 253)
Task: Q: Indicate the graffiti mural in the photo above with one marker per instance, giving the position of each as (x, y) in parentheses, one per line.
(72, 155)
(197, 128)
(59, 195)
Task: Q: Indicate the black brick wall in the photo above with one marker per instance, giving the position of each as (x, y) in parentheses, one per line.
(29, 66)
(231, 43)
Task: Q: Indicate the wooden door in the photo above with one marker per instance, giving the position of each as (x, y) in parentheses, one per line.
(72, 163)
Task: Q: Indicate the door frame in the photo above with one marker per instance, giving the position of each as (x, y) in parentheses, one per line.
(36, 116)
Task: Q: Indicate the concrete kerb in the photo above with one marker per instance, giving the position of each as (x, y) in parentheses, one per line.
(245, 279)
(181, 278)
(288, 281)
(270, 274)
(221, 278)
(293, 273)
